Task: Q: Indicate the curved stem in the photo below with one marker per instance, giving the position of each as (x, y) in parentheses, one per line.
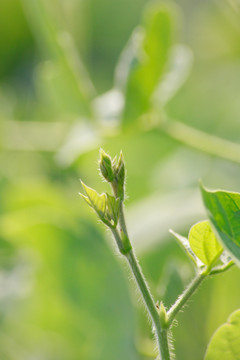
(202, 141)
(188, 292)
(221, 269)
(192, 287)
(161, 333)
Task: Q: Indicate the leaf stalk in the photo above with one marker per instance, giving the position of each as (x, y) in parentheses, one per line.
(188, 292)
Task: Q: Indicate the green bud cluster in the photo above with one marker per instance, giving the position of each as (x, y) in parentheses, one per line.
(113, 171)
(106, 206)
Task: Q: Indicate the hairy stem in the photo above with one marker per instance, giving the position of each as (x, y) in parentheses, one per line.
(202, 141)
(188, 292)
(118, 239)
(122, 222)
(161, 333)
(192, 287)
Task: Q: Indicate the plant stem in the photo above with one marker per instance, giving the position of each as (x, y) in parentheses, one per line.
(202, 141)
(188, 292)
(122, 222)
(221, 269)
(161, 333)
(118, 240)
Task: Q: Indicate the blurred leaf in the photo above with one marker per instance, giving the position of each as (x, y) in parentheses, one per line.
(80, 139)
(223, 209)
(225, 343)
(108, 107)
(203, 243)
(59, 308)
(58, 90)
(66, 73)
(180, 64)
(16, 38)
(235, 4)
(153, 42)
(31, 135)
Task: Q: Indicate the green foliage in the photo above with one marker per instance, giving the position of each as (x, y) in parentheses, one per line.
(113, 207)
(224, 213)
(105, 205)
(63, 294)
(110, 208)
(45, 245)
(225, 343)
(96, 201)
(152, 46)
(63, 76)
(113, 171)
(204, 244)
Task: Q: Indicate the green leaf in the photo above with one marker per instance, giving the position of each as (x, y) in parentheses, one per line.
(225, 343)
(96, 201)
(223, 209)
(184, 243)
(113, 206)
(152, 44)
(204, 243)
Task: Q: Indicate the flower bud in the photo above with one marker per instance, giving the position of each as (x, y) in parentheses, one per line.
(163, 316)
(105, 165)
(119, 174)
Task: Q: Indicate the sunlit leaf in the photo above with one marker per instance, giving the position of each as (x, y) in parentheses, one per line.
(224, 213)
(96, 201)
(113, 206)
(225, 343)
(86, 199)
(204, 243)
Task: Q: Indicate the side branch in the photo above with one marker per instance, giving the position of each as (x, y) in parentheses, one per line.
(181, 301)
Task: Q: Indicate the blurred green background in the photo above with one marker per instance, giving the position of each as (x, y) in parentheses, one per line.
(64, 294)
